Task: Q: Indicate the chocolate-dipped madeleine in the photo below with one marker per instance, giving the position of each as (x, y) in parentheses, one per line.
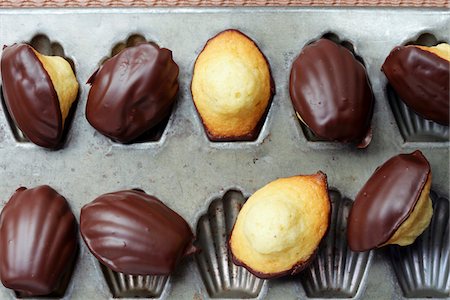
(38, 241)
(135, 233)
(132, 92)
(420, 75)
(39, 91)
(231, 87)
(279, 228)
(331, 93)
(394, 206)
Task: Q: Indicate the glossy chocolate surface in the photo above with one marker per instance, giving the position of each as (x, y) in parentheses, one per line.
(30, 96)
(331, 92)
(132, 92)
(38, 240)
(135, 233)
(386, 200)
(422, 80)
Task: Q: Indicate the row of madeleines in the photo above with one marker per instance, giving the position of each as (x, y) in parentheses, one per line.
(232, 88)
(277, 232)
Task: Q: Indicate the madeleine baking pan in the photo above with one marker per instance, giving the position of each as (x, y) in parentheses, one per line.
(207, 182)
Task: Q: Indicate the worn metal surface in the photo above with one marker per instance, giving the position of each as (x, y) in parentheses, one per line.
(184, 169)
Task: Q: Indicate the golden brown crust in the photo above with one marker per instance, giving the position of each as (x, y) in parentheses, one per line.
(63, 79)
(279, 228)
(231, 86)
(441, 50)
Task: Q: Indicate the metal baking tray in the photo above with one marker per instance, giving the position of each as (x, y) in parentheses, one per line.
(207, 182)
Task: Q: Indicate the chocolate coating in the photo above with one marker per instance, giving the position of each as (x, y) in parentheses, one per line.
(38, 240)
(135, 233)
(331, 92)
(386, 200)
(132, 92)
(30, 96)
(421, 79)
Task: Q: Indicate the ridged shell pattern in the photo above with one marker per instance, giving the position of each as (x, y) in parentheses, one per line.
(132, 92)
(222, 278)
(134, 286)
(337, 271)
(423, 268)
(135, 233)
(413, 127)
(331, 92)
(38, 241)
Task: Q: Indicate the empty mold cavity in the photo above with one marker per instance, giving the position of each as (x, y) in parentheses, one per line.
(61, 288)
(336, 272)
(134, 286)
(310, 136)
(222, 278)
(45, 46)
(413, 127)
(422, 269)
(155, 133)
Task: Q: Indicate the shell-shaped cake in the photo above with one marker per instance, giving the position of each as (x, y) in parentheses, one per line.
(232, 87)
(222, 278)
(337, 271)
(331, 93)
(413, 127)
(39, 91)
(134, 233)
(279, 228)
(38, 241)
(393, 206)
(421, 77)
(132, 92)
(422, 268)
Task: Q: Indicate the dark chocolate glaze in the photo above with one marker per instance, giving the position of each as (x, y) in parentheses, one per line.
(30, 96)
(331, 92)
(421, 79)
(135, 233)
(386, 200)
(38, 241)
(132, 92)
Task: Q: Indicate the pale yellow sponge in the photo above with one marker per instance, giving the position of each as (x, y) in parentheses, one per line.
(281, 225)
(231, 85)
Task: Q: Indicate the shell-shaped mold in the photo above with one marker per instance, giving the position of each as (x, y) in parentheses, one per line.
(423, 268)
(132, 286)
(337, 271)
(413, 127)
(222, 278)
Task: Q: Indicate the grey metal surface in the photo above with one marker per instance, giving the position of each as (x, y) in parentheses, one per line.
(184, 169)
